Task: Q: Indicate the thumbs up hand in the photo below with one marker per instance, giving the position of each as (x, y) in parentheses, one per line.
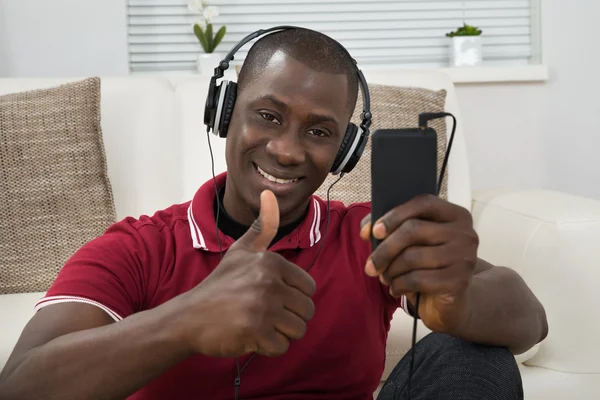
(254, 301)
(264, 229)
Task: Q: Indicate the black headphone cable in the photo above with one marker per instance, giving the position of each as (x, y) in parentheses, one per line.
(423, 119)
(238, 379)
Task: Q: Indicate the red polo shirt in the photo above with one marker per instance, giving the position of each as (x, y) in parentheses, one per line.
(141, 263)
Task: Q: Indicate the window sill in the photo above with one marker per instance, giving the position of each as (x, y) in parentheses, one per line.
(525, 73)
(459, 75)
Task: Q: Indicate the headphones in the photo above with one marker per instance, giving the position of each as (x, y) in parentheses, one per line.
(221, 101)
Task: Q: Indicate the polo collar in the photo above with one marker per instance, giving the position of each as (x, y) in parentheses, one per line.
(203, 226)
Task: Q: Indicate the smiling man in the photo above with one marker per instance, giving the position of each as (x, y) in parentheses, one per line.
(150, 310)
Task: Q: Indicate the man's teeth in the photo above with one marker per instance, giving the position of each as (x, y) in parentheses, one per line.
(271, 178)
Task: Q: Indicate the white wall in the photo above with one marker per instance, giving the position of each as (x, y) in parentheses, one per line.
(543, 135)
(63, 38)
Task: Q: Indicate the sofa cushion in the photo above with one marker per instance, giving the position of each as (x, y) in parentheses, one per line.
(391, 107)
(55, 194)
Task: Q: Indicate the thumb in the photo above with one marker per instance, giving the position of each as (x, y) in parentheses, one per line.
(264, 228)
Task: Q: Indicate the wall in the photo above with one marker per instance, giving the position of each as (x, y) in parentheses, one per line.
(63, 38)
(548, 134)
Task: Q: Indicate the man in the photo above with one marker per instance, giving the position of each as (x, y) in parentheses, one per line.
(150, 310)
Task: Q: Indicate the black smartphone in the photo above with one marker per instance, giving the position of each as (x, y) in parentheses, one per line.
(403, 166)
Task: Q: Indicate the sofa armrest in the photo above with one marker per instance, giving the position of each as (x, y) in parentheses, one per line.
(552, 240)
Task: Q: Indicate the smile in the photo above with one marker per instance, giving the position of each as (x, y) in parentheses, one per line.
(274, 179)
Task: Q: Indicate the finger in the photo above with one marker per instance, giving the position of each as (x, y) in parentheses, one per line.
(365, 231)
(431, 281)
(263, 230)
(290, 325)
(412, 232)
(273, 344)
(365, 221)
(296, 277)
(423, 257)
(299, 303)
(427, 207)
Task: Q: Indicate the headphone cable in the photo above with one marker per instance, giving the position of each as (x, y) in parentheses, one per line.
(212, 163)
(423, 119)
(326, 224)
(238, 379)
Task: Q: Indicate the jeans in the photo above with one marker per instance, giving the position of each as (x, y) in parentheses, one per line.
(452, 369)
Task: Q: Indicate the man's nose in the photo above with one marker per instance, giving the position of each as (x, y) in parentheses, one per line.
(287, 149)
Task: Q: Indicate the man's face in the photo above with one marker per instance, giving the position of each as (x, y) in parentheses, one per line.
(285, 132)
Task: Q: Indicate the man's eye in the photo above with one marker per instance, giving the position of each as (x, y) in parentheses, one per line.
(318, 133)
(270, 118)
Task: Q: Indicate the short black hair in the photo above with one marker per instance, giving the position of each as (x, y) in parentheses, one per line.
(317, 51)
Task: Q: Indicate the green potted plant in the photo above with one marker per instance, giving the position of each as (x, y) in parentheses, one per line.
(208, 37)
(466, 48)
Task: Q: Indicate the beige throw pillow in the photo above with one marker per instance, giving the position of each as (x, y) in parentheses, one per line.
(55, 194)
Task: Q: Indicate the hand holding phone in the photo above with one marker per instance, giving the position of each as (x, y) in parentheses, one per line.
(426, 245)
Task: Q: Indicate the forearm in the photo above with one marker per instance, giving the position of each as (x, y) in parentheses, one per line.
(503, 312)
(109, 362)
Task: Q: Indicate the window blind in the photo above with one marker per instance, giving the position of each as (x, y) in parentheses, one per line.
(378, 34)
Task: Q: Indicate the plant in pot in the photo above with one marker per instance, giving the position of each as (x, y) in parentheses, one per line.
(466, 49)
(207, 36)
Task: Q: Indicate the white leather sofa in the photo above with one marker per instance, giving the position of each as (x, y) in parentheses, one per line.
(158, 155)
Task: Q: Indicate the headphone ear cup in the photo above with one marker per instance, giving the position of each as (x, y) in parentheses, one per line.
(363, 138)
(210, 112)
(228, 105)
(349, 136)
(217, 117)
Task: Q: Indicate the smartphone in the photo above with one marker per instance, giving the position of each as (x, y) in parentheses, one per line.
(403, 166)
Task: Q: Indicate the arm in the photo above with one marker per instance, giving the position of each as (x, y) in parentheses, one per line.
(502, 310)
(73, 351)
(429, 247)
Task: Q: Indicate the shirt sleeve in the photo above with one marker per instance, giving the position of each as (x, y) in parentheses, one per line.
(113, 272)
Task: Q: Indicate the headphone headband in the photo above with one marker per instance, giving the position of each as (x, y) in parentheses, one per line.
(365, 116)
(221, 100)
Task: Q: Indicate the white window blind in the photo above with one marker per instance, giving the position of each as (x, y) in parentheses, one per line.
(392, 33)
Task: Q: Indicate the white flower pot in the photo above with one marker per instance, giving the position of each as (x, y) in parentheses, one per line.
(207, 62)
(466, 51)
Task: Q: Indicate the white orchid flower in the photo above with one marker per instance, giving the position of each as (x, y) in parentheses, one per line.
(210, 12)
(196, 6)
